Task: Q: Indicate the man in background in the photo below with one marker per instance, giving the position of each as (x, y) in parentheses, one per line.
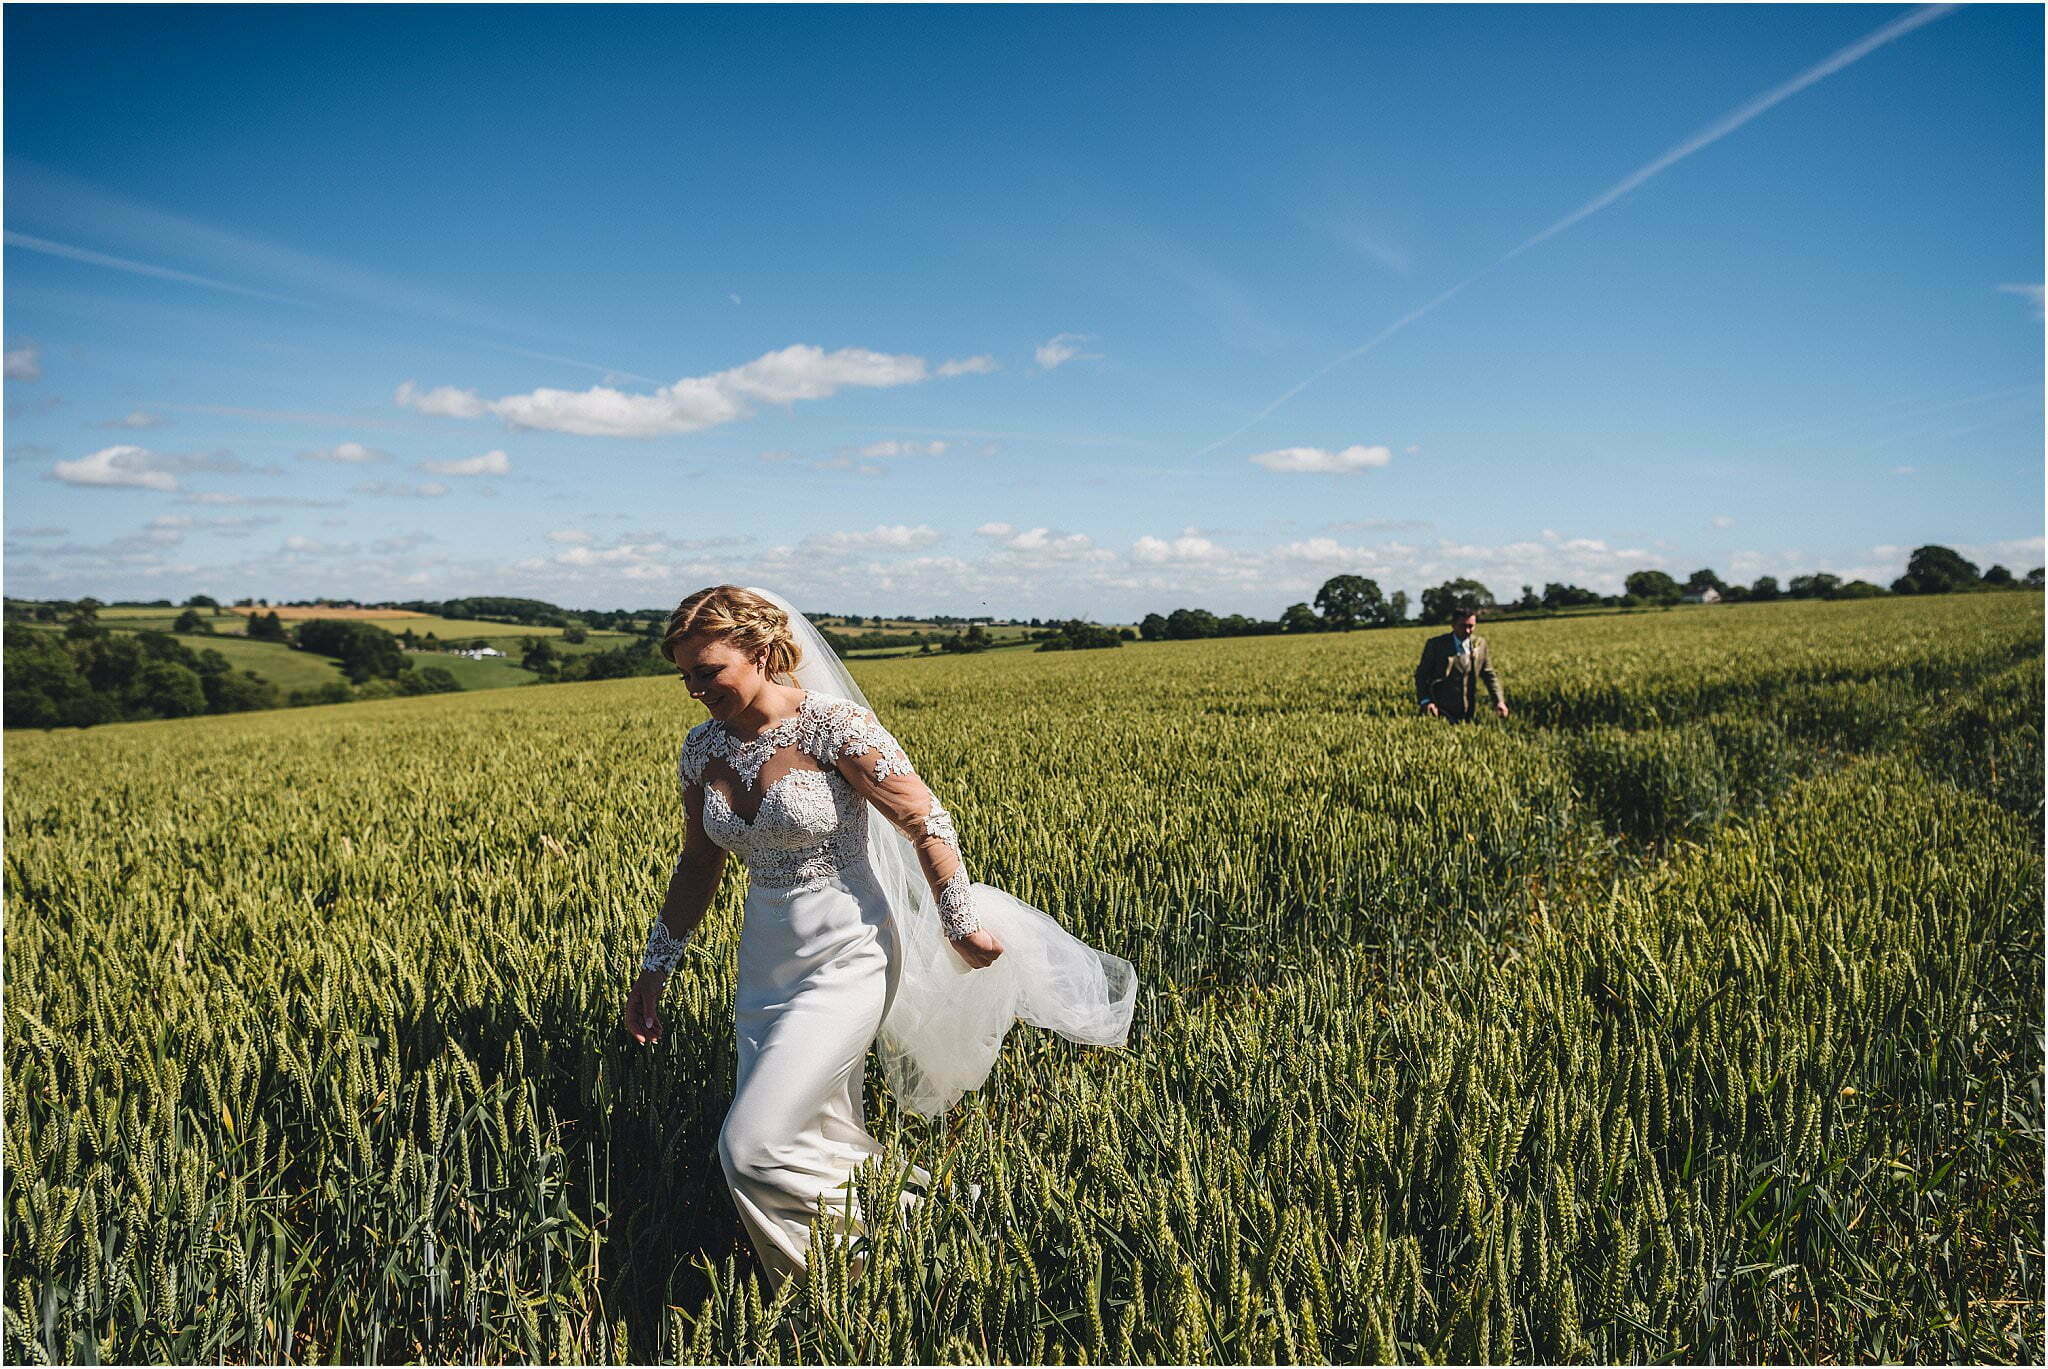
(1453, 664)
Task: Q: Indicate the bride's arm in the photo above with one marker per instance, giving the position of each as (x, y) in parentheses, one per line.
(874, 763)
(691, 887)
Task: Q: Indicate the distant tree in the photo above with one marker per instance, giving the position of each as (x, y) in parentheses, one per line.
(1127, 634)
(1653, 587)
(1530, 600)
(1765, 588)
(1152, 628)
(44, 686)
(1857, 589)
(976, 638)
(1349, 601)
(1936, 570)
(1999, 576)
(1077, 635)
(1819, 585)
(1300, 618)
(2033, 578)
(1556, 595)
(1439, 601)
(1186, 624)
(333, 692)
(540, 656)
(230, 692)
(166, 689)
(1702, 580)
(192, 620)
(574, 634)
(431, 679)
(83, 623)
(1397, 609)
(365, 652)
(267, 627)
(204, 601)
(619, 663)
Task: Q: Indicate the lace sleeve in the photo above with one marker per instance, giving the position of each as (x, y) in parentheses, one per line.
(696, 751)
(693, 880)
(874, 763)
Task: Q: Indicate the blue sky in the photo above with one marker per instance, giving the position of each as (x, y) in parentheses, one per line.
(949, 309)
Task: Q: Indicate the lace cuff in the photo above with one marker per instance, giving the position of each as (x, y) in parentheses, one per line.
(956, 906)
(664, 948)
(939, 823)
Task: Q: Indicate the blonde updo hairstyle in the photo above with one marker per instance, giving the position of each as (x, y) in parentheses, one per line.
(742, 618)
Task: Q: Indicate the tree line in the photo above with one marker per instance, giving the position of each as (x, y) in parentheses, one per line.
(1348, 602)
(90, 674)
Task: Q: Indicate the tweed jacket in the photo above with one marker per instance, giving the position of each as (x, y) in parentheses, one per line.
(1450, 679)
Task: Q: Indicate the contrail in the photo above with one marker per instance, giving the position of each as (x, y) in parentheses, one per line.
(140, 268)
(571, 361)
(1713, 133)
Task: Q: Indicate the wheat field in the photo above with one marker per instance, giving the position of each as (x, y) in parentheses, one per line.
(1691, 1014)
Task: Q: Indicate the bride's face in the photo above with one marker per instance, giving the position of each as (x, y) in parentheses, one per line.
(719, 675)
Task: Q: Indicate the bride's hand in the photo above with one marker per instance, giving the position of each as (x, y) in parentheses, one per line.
(978, 948)
(643, 1018)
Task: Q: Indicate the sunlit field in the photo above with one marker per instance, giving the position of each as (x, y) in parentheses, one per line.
(1692, 1013)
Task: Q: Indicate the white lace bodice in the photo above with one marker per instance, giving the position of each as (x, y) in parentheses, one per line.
(809, 821)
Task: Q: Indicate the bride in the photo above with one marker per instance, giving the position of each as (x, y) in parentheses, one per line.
(855, 932)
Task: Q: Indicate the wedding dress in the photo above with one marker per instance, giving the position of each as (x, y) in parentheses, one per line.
(838, 952)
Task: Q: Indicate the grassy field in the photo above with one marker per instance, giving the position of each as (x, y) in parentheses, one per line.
(1691, 1014)
(282, 665)
(484, 674)
(293, 613)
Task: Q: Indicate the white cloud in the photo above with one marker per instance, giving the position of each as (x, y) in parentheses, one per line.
(136, 418)
(1905, 470)
(891, 448)
(24, 362)
(432, 489)
(799, 372)
(967, 366)
(282, 501)
(1722, 520)
(120, 465)
(2029, 293)
(1044, 544)
(629, 554)
(901, 536)
(307, 546)
(347, 453)
(847, 463)
(1062, 348)
(445, 400)
(572, 536)
(1320, 461)
(1187, 548)
(489, 463)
